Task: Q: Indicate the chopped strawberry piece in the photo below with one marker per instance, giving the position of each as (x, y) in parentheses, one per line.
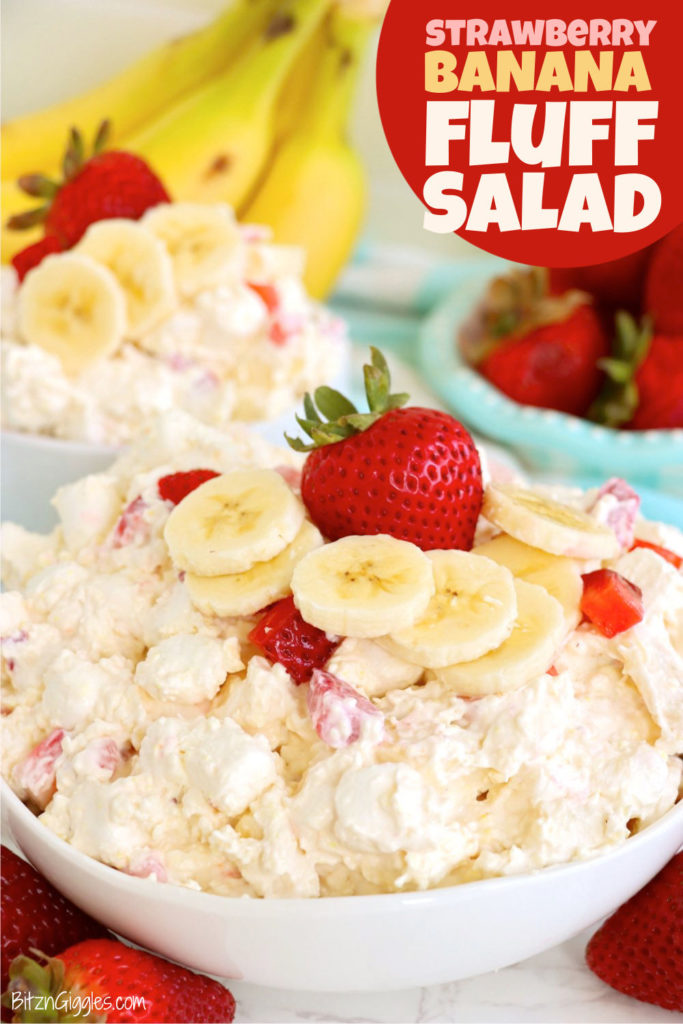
(255, 233)
(105, 754)
(34, 254)
(638, 949)
(268, 293)
(616, 505)
(177, 486)
(131, 526)
(36, 773)
(338, 712)
(611, 602)
(147, 864)
(278, 333)
(283, 636)
(670, 556)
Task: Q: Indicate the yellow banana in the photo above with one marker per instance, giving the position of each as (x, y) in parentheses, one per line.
(313, 193)
(211, 146)
(136, 95)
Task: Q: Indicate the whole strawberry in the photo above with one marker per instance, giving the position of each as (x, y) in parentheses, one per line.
(34, 254)
(107, 184)
(664, 284)
(639, 949)
(409, 472)
(35, 914)
(130, 985)
(659, 382)
(554, 365)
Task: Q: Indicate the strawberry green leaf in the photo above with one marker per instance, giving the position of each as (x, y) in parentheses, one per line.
(310, 409)
(376, 387)
(333, 404)
(38, 186)
(618, 398)
(331, 417)
(73, 158)
(27, 219)
(397, 401)
(102, 135)
(308, 426)
(298, 445)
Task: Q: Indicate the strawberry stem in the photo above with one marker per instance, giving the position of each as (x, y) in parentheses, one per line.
(618, 398)
(101, 137)
(33, 987)
(341, 418)
(41, 187)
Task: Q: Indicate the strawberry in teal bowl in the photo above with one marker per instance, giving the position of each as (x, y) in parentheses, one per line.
(575, 388)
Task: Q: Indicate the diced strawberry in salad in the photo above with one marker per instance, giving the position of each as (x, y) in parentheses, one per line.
(616, 505)
(669, 556)
(147, 864)
(105, 754)
(338, 712)
(268, 293)
(611, 602)
(36, 773)
(132, 525)
(177, 486)
(284, 637)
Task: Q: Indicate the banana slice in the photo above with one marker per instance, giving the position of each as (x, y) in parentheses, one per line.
(233, 521)
(244, 593)
(561, 577)
(472, 611)
(203, 241)
(71, 306)
(363, 586)
(526, 654)
(547, 524)
(140, 264)
(269, 263)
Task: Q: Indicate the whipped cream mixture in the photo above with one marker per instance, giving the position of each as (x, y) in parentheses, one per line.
(157, 739)
(244, 349)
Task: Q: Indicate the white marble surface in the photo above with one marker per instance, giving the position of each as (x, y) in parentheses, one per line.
(551, 988)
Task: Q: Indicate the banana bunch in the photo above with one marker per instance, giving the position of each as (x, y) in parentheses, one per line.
(250, 111)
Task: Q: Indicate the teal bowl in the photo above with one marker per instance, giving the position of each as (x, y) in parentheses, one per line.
(546, 441)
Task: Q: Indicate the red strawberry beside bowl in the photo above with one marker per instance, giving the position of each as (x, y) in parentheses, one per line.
(571, 352)
(639, 949)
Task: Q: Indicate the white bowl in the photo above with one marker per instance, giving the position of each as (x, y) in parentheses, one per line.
(353, 943)
(33, 466)
(32, 469)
